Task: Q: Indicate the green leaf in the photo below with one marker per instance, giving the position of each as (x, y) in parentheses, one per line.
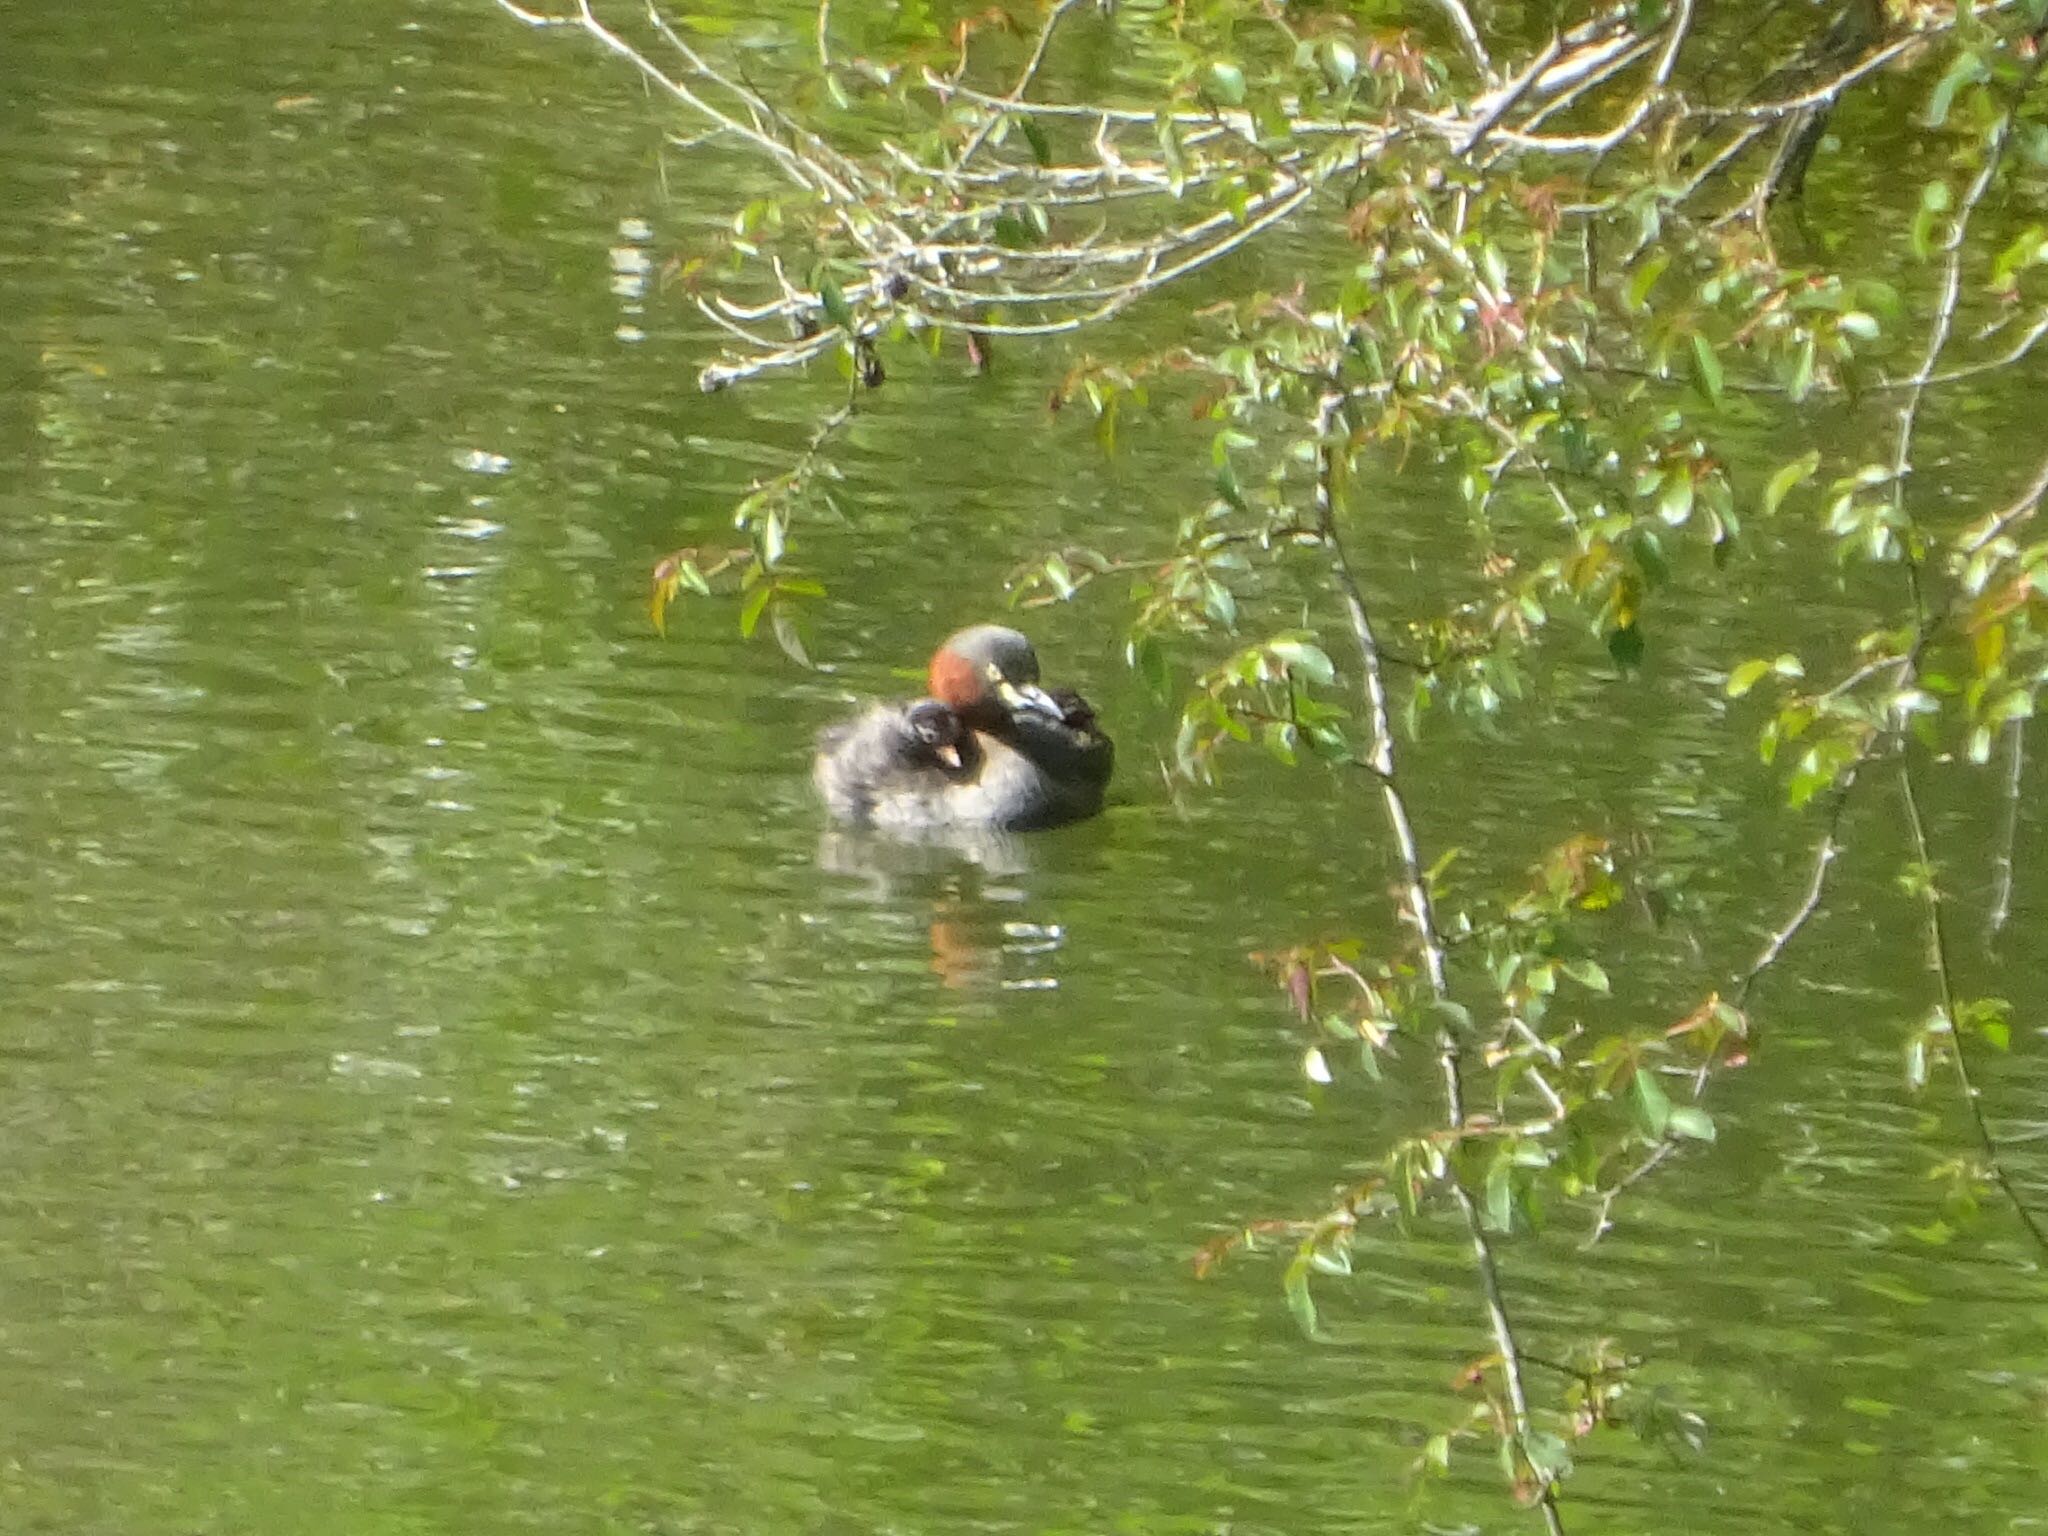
(1706, 369)
(1500, 1196)
(837, 310)
(752, 609)
(1034, 135)
(1106, 420)
(1800, 385)
(1453, 1018)
(1226, 83)
(1588, 974)
(1625, 645)
(788, 637)
(1061, 575)
(1691, 1122)
(1219, 603)
(1746, 677)
(1299, 1301)
(1013, 234)
(2029, 248)
(1968, 69)
(1339, 61)
(1148, 655)
(1649, 552)
(1548, 1454)
(1786, 478)
(1674, 502)
(1305, 659)
(1652, 1103)
(1171, 153)
(1645, 279)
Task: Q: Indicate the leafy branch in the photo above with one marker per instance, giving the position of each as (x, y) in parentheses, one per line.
(1539, 273)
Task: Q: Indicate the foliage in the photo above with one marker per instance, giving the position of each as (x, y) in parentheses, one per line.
(1540, 255)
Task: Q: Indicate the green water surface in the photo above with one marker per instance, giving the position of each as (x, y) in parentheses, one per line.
(450, 1082)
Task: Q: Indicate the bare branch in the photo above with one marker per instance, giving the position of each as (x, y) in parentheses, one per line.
(1943, 323)
(1938, 962)
(1507, 100)
(1677, 28)
(1824, 855)
(2017, 512)
(1333, 432)
(1053, 17)
(1468, 34)
(2008, 831)
(1830, 90)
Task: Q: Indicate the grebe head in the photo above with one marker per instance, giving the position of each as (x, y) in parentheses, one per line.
(988, 674)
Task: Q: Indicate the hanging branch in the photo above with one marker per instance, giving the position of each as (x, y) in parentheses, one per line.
(1461, 194)
(2008, 831)
(1775, 945)
(1824, 854)
(1053, 18)
(1938, 962)
(1938, 332)
(1468, 35)
(1333, 435)
(2014, 513)
(921, 240)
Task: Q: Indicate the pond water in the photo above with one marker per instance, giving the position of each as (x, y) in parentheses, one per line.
(453, 1084)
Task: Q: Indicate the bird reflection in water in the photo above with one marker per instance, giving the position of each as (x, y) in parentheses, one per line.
(974, 945)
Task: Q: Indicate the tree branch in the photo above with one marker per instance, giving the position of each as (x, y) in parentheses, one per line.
(1333, 432)
(1053, 18)
(2008, 832)
(1938, 962)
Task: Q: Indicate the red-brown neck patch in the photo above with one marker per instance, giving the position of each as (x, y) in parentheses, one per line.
(954, 682)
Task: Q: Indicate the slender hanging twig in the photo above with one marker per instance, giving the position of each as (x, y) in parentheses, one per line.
(2008, 831)
(1824, 854)
(1958, 1055)
(1333, 433)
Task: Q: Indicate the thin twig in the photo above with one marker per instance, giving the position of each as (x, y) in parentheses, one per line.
(2018, 511)
(1832, 89)
(2008, 831)
(1825, 852)
(1937, 341)
(1677, 29)
(1505, 101)
(1938, 962)
(988, 124)
(1333, 432)
(1824, 855)
(1468, 35)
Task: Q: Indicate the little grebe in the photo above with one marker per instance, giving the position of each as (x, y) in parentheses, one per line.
(990, 748)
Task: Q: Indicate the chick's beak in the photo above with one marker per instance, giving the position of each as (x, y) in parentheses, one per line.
(948, 754)
(1028, 698)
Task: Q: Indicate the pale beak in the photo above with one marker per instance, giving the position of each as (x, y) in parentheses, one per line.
(948, 754)
(1028, 698)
